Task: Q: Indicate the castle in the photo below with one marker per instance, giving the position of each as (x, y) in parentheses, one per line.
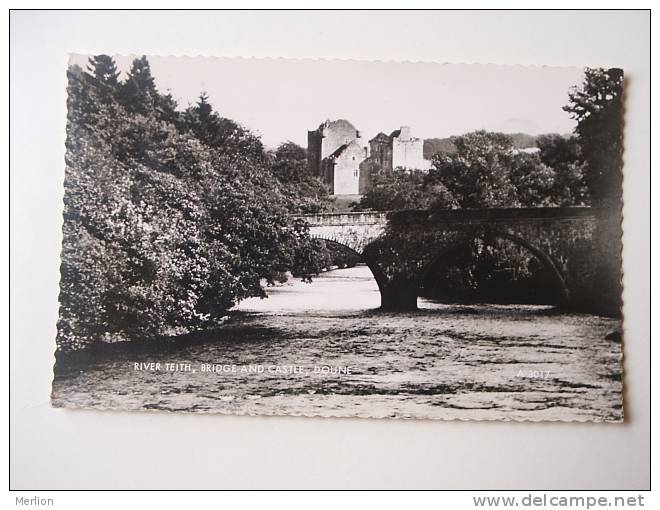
(337, 154)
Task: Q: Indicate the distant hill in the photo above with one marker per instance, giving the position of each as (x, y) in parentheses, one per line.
(434, 145)
(522, 140)
(444, 145)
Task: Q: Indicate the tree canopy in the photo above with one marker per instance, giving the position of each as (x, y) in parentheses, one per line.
(170, 217)
(597, 105)
(486, 170)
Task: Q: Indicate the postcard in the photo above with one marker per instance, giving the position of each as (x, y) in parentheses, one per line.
(342, 239)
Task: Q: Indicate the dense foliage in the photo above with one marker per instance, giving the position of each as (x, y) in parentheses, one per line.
(486, 170)
(305, 193)
(483, 169)
(432, 146)
(493, 271)
(597, 105)
(170, 217)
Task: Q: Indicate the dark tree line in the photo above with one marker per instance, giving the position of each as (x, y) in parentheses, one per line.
(597, 105)
(170, 216)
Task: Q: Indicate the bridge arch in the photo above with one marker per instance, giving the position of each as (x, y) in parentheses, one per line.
(339, 242)
(548, 263)
(376, 271)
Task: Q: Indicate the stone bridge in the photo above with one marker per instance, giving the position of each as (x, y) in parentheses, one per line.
(353, 230)
(402, 248)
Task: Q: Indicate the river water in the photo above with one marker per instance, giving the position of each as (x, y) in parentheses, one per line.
(323, 349)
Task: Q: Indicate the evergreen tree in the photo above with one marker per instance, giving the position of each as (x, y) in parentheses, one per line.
(165, 106)
(221, 133)
(104, 73)
(82, 102)
(138, 92)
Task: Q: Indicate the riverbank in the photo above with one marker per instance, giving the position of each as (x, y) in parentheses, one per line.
(441, 362)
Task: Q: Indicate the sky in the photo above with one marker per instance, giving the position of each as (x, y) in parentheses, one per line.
(281, 99)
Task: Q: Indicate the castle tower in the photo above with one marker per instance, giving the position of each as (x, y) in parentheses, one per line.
(334, 153)
(407, 152)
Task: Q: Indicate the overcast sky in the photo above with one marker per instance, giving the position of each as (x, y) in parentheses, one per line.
(282, 99)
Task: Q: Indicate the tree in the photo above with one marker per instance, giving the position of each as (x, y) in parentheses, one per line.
(305, 193)
(597, 106)
(486, 170)
(310, 255)
(564, 155)
(138, 92)
(162, 232)
(104, 73)
(290, 163)
(82, 103)
(220, 133)
(478, 174)
(166, 108)
(400, 189)
(533, 181)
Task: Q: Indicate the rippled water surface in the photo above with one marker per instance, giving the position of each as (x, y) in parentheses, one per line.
(445, 361)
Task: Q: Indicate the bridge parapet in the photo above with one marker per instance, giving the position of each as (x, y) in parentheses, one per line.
(489, 216)
(345, 219)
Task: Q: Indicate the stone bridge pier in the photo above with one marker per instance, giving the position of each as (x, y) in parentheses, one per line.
(403, 248)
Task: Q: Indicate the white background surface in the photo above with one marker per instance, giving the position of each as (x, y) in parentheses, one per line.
(84, 449)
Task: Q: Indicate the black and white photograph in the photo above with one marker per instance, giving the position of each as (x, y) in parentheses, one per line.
(341, 238)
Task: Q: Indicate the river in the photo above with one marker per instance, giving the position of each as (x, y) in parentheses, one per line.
(281, 355)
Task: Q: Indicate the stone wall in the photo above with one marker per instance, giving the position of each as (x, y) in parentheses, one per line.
(346, 170)
(335, 134)
(323, 143)
(408, 154)
(367, 170)
(380, 152)
(314, 139)
(354, 230)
